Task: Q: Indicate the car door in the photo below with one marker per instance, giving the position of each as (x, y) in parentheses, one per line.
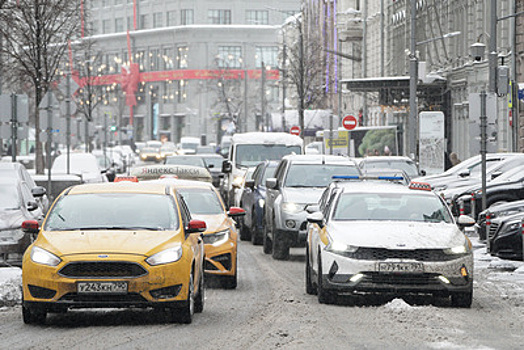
(272, 193)
(194, 239)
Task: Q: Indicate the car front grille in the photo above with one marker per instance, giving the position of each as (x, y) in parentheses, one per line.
(493, 228)
(401, 279)
(103, 298)
(106, 269)
(417, 254)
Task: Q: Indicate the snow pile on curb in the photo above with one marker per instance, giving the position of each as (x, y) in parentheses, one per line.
(398, 305)
(10, 283)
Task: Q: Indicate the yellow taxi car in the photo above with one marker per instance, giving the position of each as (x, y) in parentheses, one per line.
(220, 237)
(119, 244)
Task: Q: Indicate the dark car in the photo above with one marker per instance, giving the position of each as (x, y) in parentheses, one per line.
(254, 200)
(505, 237)
(17, 204)
(214, 165)
(497, 211)
(508, 187)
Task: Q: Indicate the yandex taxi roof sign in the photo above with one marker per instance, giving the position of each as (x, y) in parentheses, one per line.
(185, 172)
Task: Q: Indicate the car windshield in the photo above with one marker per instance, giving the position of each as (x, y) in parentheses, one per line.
(9, 196)
(99, 211)
(202, 201)
(251, 155)
(391, 206)
(150, 149)
(216, 162)
(189, 145)
(182, 160)
(316, 175)
(408, 166)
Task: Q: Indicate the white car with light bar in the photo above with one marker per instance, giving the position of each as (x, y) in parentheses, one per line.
(377, 237)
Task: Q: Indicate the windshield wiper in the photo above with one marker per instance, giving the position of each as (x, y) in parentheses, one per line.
(88, 228)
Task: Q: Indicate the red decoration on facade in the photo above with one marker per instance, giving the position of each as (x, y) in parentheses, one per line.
(129, 79)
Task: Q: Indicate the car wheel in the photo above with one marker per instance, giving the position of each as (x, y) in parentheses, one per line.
(310, 288)
(266, 241)
(245, 234)
(185, 314)
(200, 299)
(280, 245)
(33, 315)
(463, 299)
(324, 296)
(256, 237)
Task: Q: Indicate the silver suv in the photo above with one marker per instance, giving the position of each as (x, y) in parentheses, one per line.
(299, 181)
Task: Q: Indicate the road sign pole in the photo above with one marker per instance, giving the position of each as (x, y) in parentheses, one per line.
(49, 139)
(68, 121)
(14, 127)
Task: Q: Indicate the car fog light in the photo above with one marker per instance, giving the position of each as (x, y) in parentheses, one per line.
(356, 278)
(464, 271)
(444, 279)
(290, 223)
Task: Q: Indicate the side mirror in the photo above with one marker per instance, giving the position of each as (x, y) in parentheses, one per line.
(236, 211)
(272, 183)
(226, 166)
(312, 208)
(316, 218)
(32, 206)
(210, 166)
(30, 226)
(422, 173)
(465, 173)
(38, 191)
(495, 174)
(249, 184)
(465, 221)
(196, 226)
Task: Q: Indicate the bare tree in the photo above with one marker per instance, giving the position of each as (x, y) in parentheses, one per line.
(303, 67)
(35, 34)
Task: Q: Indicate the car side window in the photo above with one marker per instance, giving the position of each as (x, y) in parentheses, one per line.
(184, 211)
(329, 204)
(280, 170)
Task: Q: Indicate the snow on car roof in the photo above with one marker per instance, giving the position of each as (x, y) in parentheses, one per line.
(317, 158)
(267, 138)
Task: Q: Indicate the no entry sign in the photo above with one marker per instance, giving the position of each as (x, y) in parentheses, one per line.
(349, 122)
(295, 130)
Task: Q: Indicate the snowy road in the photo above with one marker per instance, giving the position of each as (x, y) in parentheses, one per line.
(270, 310)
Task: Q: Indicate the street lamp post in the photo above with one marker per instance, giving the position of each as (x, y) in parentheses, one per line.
(413, 81)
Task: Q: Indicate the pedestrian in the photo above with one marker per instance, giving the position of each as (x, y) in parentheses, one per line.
(377, 152)
(454, 159)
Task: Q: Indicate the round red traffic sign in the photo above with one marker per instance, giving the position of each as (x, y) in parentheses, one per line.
(349, 122)
(295, 130)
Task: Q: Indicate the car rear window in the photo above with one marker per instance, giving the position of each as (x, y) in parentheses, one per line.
(202, 201)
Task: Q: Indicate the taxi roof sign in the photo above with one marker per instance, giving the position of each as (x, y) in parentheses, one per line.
(184, 172)
(423, 186)
(126, 178)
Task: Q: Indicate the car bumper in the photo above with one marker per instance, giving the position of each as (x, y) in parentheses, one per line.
(12, 248)
(345, 275)
(155, 285)
(221, 260)
(507, 246)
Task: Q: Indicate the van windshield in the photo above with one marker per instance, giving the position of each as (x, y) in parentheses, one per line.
(251, 155)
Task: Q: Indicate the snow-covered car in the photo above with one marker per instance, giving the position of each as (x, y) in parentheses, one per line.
(84, 165)
(381, 237)
(405, 164)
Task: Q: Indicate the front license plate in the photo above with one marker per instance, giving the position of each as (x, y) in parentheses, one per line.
(102, 287)
(401, 267)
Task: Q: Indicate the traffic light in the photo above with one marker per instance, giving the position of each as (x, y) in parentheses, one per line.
(113, 128)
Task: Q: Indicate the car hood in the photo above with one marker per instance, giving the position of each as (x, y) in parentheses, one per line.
(214, 223)
(306, 195)
(104, 241)
(396, 235)
(11, 219)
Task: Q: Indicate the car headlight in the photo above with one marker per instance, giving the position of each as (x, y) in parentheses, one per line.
(42, 256)
(460, 249)
(292, 208)
(514, 226)
(340, 248)
(166, 256)
(217, 238)
(261, 203)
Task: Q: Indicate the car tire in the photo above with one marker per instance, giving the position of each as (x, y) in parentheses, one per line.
(280, 245)
(230, 282)
(256, 237)
(266, 241)
(462, 299)
(324, 296)
(200, 299)
(186, 312)
(33, 315)
(310, 288)
(245, 233)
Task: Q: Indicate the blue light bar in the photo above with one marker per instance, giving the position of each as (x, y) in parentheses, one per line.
(390, 178)
(345, 177)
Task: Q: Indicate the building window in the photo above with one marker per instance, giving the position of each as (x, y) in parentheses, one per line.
(169, 91)
(229, 57)
(181, 93)
(140, 58)
(186, 17)
(130, 24)
(157, 19)
(257, 17)
(106, 26)
(170, 18)
(154, 60)
(119, 2)
(106, 3)
(182, 57)
(219, 16)
(168, 58)
(266, 54)
(144, 22)
(119, 25)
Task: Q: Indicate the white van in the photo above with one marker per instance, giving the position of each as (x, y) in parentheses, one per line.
(251, 148)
